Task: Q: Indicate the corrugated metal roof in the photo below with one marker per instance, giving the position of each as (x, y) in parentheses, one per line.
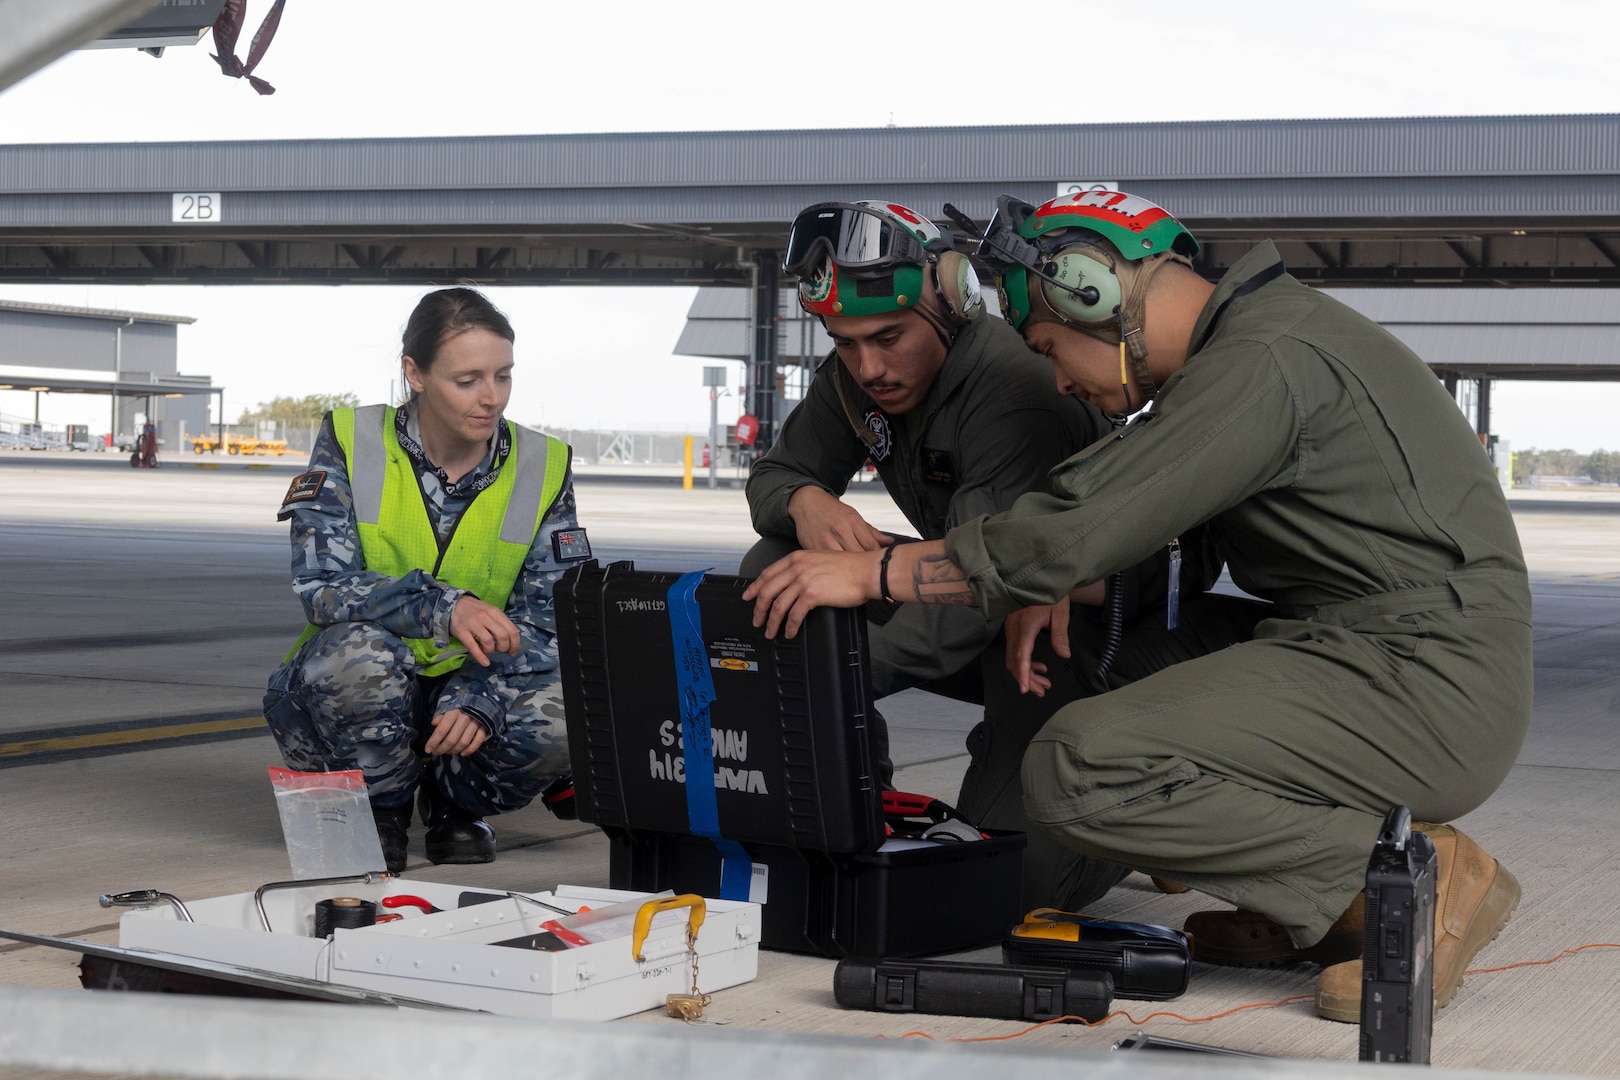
(1568, 145)
(1520, 349)
(1275, 202)
(93, 313)
(1484, 306)
(1497, 330)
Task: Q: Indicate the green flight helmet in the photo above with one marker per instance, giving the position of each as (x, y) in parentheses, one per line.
(1070, 245)
(873, 257)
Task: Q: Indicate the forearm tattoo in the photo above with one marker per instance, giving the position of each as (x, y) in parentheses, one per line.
(940, 581)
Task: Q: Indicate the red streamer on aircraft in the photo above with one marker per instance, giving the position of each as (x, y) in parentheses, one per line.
(228, 27)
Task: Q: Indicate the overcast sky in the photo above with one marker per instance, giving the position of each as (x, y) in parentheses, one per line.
(601, 357)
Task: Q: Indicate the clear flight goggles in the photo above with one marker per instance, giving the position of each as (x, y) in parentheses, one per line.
(855, 237)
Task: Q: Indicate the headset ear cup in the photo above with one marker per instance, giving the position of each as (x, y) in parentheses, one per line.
(1081, 270)
(959, 284)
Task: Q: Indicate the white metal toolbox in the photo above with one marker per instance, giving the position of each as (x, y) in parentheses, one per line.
(450, 956)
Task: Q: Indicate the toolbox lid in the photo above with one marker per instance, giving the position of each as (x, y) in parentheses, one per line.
(792, 750)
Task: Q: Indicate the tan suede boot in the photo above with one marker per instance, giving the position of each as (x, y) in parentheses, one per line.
(1244, 938)
(1474, 896)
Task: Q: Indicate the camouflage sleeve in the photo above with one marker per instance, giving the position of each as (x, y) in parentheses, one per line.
(329, 574)
(488, 693)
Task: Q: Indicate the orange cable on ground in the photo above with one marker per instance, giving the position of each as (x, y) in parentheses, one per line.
(1544, 963)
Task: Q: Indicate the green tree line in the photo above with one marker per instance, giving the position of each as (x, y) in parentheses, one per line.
(1601, 466)
(298, 412)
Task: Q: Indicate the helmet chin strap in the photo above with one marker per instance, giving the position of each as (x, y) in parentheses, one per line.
(1133, 320)
(1127, 330)
(946, 330)
(1124, 381)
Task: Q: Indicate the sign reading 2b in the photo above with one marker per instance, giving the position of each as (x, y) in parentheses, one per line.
(196, 208)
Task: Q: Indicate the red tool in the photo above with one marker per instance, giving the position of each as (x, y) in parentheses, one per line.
(407, 900)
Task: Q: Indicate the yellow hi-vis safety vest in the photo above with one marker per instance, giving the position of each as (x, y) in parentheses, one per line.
(486, 549)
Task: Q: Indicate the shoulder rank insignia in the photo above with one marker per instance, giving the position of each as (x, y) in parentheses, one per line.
(305, 486)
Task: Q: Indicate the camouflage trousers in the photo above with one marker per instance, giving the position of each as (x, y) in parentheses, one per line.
(351, 698)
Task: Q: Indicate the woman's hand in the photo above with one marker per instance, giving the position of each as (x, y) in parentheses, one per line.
(456, 732)
(1022, 628)
(483, 628)
(788, 589)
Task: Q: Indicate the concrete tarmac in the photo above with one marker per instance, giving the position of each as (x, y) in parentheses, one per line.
(143, 610)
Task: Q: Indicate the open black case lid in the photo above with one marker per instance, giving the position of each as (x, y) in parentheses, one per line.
(793, 758)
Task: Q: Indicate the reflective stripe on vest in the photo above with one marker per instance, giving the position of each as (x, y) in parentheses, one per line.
(491, 539)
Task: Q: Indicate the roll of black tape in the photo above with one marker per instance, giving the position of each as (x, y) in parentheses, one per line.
(343, 913)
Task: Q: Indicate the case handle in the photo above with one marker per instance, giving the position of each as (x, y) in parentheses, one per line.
(644, 918)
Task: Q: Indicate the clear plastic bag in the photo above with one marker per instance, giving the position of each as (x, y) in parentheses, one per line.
(327, 824)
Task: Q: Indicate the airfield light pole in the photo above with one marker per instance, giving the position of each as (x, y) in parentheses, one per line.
(714, 378)
(763, 366)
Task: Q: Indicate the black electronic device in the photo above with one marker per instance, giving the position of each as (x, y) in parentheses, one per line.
(1147, 962)
(1397, 977)
(953, 988)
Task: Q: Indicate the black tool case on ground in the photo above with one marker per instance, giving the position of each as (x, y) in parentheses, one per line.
(795, 772)
(953, 988)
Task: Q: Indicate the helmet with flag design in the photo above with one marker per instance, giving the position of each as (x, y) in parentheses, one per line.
(873, 257)
(1084, 260)
(1060, 261)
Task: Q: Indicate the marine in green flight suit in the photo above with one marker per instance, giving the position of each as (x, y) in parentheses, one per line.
(1342, 484)
(959, 418)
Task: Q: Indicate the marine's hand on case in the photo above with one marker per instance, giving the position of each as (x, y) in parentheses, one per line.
(790, 588)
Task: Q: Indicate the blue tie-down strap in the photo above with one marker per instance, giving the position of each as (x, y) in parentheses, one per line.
(696, 690)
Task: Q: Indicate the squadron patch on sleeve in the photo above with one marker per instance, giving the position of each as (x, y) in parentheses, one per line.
(570, 545)
(305, 486)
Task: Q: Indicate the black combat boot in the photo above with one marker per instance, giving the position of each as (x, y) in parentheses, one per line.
(393, 825)
(454, 835)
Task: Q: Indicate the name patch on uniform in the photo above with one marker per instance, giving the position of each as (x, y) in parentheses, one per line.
(938, 467)
(877, 422)
(306, 486)
(571, 545)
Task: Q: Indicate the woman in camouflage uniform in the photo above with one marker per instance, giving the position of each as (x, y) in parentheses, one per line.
(422, 536)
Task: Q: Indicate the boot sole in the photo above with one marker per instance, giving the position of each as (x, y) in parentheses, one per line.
(458, 858)
(1500, 902)
(1493, 913)
(460, 854)
(1275, 955)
